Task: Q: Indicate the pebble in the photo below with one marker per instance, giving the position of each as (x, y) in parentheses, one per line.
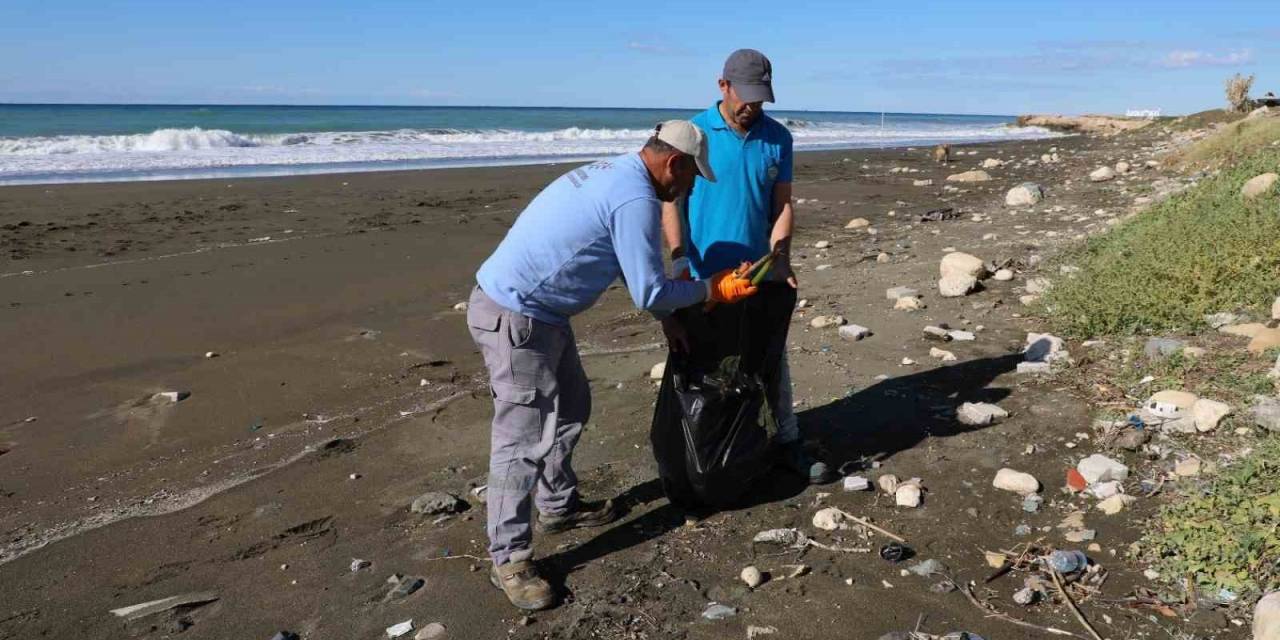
(854, 332)
(211, 354)
(980, 414)
(432, 631)
(1036, 368)
(908, 304)
(752, 577)
(906, 362)
(172, 396)
(437, 502)
(461, 306)
(821, 244)
(1100, 468)
(856, 483)
(717, 611)
(941, 354)
(658, 370)
(1016, 481)
(1003, 275)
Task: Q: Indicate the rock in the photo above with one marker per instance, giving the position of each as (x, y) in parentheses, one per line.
(928, 182)
(907, 495)
(856, 483)
(1023, 484)
(888, 483)
(1100, 468)
(717, 611)
(1028, 300)
(171, 396)
(1024, 195)
(1275, 309)
(980, 414)
(1161, 348)
(961, 336)
(822, 322)
(1080, 535)
(962, 264)
(991, 163)
(358, 564)
(752, 577)
(1208, 413)
(461, 306)
(1187, 468)
(1170, 404)
(433, 631)
(883, 258)
(658, 370)
(932, 332)
(1259, 185)
(1122, 167)
(829, 519)
(1266, 617)
(1034, 368)
(436, 503)
(970, 176)
(894, 293)
(1247, 330)
(1038, 286)
(909, 303)
(858, 223)
(854, 332)
(1003, 275)
(906, 362)
(945, 356)
(754, 631)
(397, 630)
(1115, 504)
(956, 286)
(1031, 503)
(1265, 338)
(1102, 174)
(1044, 347)
(821, 244)
(1133, 439)
(1104, 490)
(928, 568)
(1266, 413)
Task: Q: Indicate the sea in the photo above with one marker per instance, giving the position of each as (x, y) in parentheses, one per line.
(42, 143)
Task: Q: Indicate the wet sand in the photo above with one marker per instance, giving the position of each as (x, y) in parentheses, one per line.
(344, 385)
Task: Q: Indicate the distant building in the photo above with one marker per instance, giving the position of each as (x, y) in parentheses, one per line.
(1269, 99)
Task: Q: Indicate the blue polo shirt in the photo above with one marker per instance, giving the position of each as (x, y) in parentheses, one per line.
(730, 220)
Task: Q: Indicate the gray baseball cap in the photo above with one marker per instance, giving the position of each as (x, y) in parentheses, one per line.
(751, 75)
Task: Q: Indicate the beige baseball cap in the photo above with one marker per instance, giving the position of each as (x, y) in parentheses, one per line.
(686, 137)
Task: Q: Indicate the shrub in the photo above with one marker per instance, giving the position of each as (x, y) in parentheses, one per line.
(1238, 87)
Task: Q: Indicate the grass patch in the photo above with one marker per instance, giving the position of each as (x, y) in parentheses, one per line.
(1232, 377)
(1202, 251)
(1230, 144)
(1199, 120)
(1226, 534)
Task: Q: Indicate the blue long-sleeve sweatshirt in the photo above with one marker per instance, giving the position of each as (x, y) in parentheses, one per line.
(586, 229)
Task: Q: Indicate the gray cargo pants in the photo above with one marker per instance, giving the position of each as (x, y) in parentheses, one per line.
(541, 399)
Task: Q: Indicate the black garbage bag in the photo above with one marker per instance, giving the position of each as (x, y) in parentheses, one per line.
(713, 422)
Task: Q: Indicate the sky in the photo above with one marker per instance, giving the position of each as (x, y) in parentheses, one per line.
(932, 57)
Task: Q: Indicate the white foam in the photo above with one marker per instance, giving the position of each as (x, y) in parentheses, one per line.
(193, 152)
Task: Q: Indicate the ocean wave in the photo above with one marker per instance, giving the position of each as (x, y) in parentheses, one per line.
(190, 151)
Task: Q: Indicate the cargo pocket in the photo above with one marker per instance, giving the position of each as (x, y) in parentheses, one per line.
(483, 319)
(511, 393)
(520, 329)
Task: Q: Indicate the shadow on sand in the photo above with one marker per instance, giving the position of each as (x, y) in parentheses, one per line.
(875, 423)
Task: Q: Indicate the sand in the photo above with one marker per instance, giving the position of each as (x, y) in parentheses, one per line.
(344, 385)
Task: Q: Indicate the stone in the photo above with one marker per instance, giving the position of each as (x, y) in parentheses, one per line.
(1035, 368)
(893, 293)
(1104, 490)
(1170, 404)
(358, 564)
(883, 258)
(943, 355)
(1102, 174)
(856, 483)
(1003, 275)
(461, 306)
(907, 495)
(976, 175)
(956, 286)
(932, 332)
(1247, 330)
(1031, 503)
(822, 322)
(980, 414)
(397, 630)
(1161, 348)
(1275, 309)
(1080, 535)
(1133, 439)
(1024, 195)
(909, 303)
(1115, 504)
(1259, 185)
(1038, 286)
(1265, 338)
(961, 336)
(754, 631)
(1266, 413)
(752, 577)
(1207, 413)
(717, 611)
(854, 332)
(436, 503)
(962, 264)
(1122, 167)
(1266, 617)
(432, 631)
(928, 182)
(1044, 347)
(658, 370)
(1187, 468)
(991, 163)
(1023, 484)
(821, 244)
(829, 519)
(858, 223)
(1100, 468)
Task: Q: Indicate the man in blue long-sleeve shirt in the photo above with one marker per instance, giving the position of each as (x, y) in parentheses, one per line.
(583, 231)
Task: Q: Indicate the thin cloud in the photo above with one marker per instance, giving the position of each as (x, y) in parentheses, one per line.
(1187, 58)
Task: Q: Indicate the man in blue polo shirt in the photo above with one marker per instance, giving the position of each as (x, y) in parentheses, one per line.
(743, 215)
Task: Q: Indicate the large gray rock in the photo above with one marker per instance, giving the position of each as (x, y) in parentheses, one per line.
(980, 414)
(1099, 468)
(1266, 617)
(1266, 412)
(1161, 348)
(1259, 185)
(437, 502)
(1024, 195)
(1102, 174)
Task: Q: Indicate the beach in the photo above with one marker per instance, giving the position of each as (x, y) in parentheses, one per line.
(312, 321)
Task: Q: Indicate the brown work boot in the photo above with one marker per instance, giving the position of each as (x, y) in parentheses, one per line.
(586, 514)
(523, 586)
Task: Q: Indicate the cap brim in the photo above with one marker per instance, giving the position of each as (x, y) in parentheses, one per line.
(704, 167)
(753, 92)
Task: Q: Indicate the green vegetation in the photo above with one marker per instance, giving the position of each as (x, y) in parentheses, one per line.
(1230, 144)
(1203, 251)
(1226, 534)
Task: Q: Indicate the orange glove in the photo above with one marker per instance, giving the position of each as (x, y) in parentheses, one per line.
(728, 287)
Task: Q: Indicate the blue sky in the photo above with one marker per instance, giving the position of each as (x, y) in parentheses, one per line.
(954, 57)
